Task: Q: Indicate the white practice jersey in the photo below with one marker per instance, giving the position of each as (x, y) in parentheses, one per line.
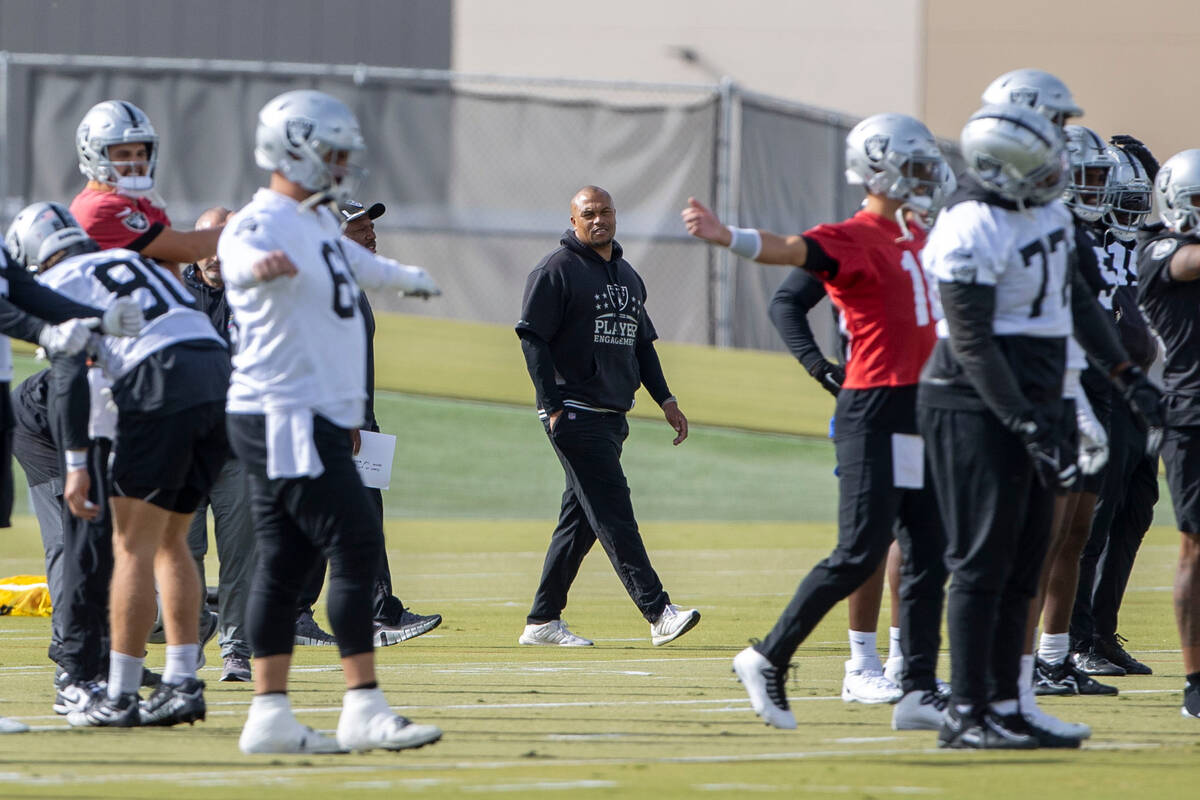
(301, 340)
(97, 279)
(1024, 254)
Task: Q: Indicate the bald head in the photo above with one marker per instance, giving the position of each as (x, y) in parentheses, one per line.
(594, 218)
(209, 269)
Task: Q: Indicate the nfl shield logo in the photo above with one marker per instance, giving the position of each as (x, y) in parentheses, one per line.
(1024, 97)
(618, 295)
(876, 146)
(298, 130)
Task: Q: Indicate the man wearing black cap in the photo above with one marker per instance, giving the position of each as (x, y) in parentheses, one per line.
(393, 622)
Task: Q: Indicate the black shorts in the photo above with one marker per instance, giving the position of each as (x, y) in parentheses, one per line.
(170, 460)
(1181, 455)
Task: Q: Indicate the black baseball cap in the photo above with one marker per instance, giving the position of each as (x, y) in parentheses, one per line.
(352, 210)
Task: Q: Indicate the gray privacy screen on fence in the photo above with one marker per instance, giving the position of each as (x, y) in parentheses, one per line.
(477, 171)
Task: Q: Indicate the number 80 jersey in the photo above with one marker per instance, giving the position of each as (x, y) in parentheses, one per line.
(97, 279)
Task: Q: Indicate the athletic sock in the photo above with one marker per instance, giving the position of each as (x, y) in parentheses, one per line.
(894, 650)
(1025, 696)
(124, 674)
(1053, 647)
(181, 662)
(1193, 678)
(862, 650)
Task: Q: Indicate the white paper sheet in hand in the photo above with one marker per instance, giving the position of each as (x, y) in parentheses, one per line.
(374, 459)
(908, 461)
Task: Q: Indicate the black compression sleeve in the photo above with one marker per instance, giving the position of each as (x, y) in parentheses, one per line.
(651, 371)
(797, 295)
(540, 364)
(68, 401)
(818, 261)
(18, 324)
(1093, 327)
(969, 310)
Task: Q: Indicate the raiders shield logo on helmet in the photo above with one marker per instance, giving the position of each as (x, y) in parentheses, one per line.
(136, 222)
(618, 295)
(1024, 97)
(876, 146)
(298, 130)
(1164, 177)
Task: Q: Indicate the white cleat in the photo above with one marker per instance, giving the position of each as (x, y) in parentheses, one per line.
(672, 623)
(764, 683)
(367, 723)
(893, 670)
(868, 686)
(272, 728)
(920, 711)
(554, 632)
(12, 726)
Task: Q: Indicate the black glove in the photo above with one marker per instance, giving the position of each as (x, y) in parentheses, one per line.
(1146, 400)
(1054, 456)
(1139, 151)
(830, 376)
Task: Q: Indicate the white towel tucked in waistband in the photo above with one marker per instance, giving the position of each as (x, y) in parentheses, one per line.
(291, 452)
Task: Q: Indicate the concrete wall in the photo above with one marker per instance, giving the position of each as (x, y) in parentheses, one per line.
(1131, 66)
(812, 51)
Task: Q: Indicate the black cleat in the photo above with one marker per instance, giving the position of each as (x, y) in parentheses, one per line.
(1066, 675)
(1091, 662)
(150, 678)
(173, 703)
(1044, 683)
(1191, 701)
(404, 626)
(1112, 649)
(103, 712)
(986, 731)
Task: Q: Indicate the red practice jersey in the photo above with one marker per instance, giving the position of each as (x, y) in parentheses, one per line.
(115, 220)
(880, 289)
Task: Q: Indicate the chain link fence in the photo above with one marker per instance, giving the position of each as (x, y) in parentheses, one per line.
(476, 171)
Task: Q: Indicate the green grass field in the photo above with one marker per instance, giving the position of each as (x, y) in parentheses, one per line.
(732, 520)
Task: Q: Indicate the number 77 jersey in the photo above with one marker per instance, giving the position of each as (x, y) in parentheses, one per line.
(99, 278)
(874, 276)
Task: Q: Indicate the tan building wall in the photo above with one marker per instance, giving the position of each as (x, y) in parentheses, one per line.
(1131, 66)
(813, 51)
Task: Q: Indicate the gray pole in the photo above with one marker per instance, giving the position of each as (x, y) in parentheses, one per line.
(725, 203)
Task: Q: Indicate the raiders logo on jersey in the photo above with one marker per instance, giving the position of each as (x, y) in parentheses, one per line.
(136, 222)
(1163, 248)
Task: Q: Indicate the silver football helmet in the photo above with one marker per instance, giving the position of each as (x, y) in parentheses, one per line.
(115, 122)
(1037, 89)
(303, 135)
(1131, 198)
(1017, 153)
(1089, 195)
(1177, 188)
(41, 230)
(896, 156)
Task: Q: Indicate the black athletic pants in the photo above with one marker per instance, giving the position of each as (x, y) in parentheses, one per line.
(595, 505)
(1124, 511)
(997, 519)
(297, 521)
(81, 609)
(870, 510)
(386, 606)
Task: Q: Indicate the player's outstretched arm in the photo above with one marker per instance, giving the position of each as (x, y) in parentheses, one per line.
(373, 271)
(183, 247)
(761, 246)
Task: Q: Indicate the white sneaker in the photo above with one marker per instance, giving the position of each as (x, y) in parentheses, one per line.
(1056, 727)
(553, 632)
(868, 686)
(12, 726)
(920, 711)
(272, 728)
(764, 683)
(893, 670)
(672, 623)
(367, 723)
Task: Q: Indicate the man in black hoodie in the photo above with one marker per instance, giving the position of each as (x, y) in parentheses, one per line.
(588, 344)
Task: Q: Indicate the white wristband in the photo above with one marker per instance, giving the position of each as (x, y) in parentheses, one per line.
(746, 242)
(670, 399)
(76, 459)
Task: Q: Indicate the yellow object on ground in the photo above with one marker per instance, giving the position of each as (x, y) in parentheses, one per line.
(25, 596)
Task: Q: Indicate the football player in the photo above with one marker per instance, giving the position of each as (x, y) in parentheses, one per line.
(169, 441)
(298, 390)
(866, 263)
(1169, 292)
(991, 407)
(117, 148)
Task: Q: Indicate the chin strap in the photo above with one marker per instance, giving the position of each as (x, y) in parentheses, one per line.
(317, 199)
(903, 223)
